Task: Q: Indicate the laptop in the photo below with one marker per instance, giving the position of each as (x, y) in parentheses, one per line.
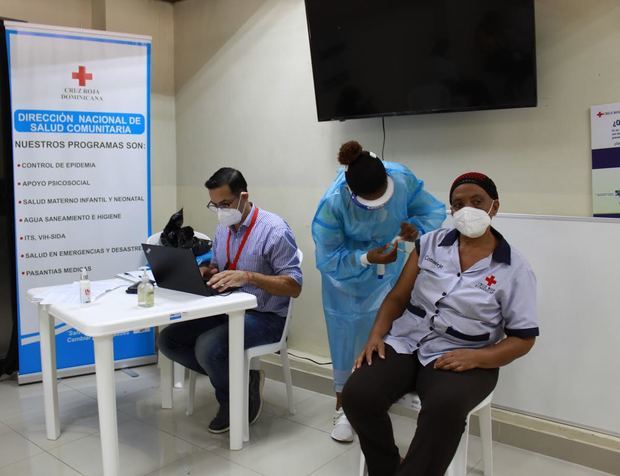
(176, 268)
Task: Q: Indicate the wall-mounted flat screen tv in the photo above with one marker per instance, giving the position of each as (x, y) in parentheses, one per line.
(391, 57)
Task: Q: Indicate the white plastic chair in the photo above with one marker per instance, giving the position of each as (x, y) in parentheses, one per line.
(458, 466)
(179, 370)
(253, 353)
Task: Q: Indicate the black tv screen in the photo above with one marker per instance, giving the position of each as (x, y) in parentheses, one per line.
(390, 57)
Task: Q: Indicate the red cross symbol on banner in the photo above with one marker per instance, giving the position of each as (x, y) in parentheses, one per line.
(600, 114)
(490, 280)
(81, 75)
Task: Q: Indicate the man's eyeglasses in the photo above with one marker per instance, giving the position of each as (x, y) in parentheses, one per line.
(214, 207)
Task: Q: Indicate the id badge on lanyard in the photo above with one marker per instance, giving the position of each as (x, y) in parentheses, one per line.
(233, 265)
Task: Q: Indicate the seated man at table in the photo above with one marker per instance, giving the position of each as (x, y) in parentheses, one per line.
(253, 250)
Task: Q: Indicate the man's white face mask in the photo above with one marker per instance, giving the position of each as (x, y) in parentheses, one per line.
(472, 222)
(229, 216)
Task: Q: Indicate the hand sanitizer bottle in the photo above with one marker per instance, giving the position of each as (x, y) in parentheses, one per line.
(146, 292)
(84, 287)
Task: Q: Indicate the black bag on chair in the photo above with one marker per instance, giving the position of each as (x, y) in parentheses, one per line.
(178, 236)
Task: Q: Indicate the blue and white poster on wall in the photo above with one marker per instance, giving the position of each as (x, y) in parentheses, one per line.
(80, 103)
(605, 130)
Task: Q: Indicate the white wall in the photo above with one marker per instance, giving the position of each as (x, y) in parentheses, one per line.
(74, 13)
(250, 105)
(155, 18)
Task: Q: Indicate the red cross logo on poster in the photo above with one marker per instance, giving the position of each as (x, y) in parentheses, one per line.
(81, 75)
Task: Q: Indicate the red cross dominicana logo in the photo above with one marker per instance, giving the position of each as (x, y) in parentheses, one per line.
(600, 114)
(490, 280)
(81, 75)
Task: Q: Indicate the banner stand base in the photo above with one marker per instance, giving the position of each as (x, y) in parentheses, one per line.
(88, 369)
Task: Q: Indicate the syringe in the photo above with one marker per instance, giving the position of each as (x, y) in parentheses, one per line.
(381, 267)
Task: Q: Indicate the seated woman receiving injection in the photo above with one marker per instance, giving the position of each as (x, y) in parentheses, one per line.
(464, 305)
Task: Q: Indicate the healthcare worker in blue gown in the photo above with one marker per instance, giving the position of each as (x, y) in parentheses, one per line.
(369, 204)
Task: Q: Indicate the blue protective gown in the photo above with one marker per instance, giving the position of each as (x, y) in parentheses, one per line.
(342, 233)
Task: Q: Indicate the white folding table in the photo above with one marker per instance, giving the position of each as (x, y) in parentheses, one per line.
(117, 312)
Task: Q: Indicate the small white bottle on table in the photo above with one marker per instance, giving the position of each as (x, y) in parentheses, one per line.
(84, 287)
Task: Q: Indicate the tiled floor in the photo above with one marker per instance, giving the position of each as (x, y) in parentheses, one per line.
(167, 442)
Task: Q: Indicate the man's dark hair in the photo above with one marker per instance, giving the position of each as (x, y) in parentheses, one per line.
(228, 176)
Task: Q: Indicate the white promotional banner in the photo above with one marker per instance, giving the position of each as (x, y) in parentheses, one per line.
(80, 105)
(605, 131)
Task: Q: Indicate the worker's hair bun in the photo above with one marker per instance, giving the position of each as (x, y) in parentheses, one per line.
(349, 151)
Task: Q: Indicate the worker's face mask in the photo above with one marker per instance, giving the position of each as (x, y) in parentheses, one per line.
(230, 216)
(472, 222)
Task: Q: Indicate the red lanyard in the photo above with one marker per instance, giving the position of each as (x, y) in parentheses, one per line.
(233, 265)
